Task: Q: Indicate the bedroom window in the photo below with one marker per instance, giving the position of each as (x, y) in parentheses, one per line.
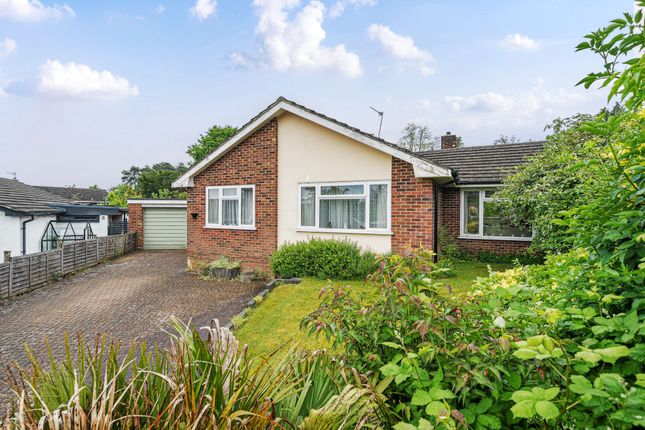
(353, 206)
(230, 207)
(481, 218)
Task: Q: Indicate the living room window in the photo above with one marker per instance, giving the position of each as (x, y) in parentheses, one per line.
(230, 207)
(361, 207)
(482, 218)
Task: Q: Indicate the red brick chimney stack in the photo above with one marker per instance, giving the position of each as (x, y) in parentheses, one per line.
(449, 141)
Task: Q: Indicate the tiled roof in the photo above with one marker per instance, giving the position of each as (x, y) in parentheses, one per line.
(77, 194)
(18, 197)
(483, 164)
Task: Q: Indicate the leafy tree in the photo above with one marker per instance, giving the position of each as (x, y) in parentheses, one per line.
(119, 195)
(506, 140)
(207, 143)
(94, 187)
(152, 180)
(568, 173)
(416, 137)
(131, 176)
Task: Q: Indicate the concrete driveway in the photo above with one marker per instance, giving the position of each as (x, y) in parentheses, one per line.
(131, 298)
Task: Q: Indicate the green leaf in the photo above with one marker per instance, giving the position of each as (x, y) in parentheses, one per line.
(392, 345)
(489, 421)
(546, 409)
(522, 395)
(435, 408)
(390, 369)
(425, 425)
(404, 426)
(484, 405)
(524, 409)
(421, 397)
(439, 394)
(525, 354)
(588, 356)
(580, 384)
(610, 355)
(550, 393)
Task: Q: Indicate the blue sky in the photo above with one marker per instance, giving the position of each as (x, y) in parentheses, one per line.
(88, 88)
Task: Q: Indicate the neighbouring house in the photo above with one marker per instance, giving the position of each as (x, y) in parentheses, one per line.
(34, 220)
(82, 196)
(292, 174)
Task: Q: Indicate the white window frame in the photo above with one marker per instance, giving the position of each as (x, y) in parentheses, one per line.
(365, 195)
(482, 198)
(221, 197)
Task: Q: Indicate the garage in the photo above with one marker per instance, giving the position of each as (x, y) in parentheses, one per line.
(162, 222)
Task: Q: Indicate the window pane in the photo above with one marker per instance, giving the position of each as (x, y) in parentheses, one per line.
(489, 193)
(229, 192)
(378, 206)
(496, 223)
(342, 214)
(308, 206)
(247, 206)
(213, 206)
(229, 212)
(340, 190)
(471, 212)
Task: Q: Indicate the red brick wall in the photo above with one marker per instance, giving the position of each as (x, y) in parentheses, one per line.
(135, 222)
(450, 217)
(252, 162)
(412, 208)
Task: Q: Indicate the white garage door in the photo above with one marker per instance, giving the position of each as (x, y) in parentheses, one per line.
(164, 228)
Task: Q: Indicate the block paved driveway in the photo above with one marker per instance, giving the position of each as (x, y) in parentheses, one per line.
(131, 298)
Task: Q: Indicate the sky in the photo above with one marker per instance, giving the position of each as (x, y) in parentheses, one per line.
(89, 88)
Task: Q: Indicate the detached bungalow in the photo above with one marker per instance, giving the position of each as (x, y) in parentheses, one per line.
(291, 174)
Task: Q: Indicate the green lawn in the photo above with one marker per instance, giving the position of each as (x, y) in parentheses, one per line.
(276, 320)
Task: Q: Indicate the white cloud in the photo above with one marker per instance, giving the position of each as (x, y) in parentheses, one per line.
(296, 44)
(8, 47)
(203, 9)
(32, 10)
(160, 9)
(78, 81)
(402, 48)
(398, 46)
(518, 42)
(537, 105)
(339, 7)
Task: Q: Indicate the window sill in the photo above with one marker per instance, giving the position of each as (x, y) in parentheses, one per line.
(508, 239)
(231, 227)
(343, 231)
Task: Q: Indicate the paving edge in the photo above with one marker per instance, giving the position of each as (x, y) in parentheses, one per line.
(266, 290)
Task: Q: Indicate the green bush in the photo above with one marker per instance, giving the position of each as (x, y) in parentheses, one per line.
(322, 258)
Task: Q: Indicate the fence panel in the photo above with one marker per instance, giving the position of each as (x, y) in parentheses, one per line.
(28, 272)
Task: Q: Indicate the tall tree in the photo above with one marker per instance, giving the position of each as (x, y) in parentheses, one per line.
(131, 176)
(416, 137)
(207, 143)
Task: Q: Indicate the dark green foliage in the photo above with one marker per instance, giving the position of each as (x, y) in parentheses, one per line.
(322, 258)
(207, 143)
(522, 258)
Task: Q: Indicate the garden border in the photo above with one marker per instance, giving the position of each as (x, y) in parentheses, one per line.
(267, 289)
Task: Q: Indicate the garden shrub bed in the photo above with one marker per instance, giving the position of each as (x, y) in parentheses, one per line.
(324, 259)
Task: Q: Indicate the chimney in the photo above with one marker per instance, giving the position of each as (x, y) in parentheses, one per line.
(449, 141)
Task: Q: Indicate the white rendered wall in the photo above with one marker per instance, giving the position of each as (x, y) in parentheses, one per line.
(308, 152)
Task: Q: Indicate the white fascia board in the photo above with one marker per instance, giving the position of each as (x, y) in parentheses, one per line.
(152, 203)
(422, 168)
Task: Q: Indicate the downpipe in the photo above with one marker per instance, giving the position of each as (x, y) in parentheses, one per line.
(23, 228)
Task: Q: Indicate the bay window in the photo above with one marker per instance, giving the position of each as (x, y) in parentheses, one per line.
(230, 207)
(352, 206)
(483, 218)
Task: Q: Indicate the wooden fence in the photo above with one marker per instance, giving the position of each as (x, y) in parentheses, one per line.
(29, 272)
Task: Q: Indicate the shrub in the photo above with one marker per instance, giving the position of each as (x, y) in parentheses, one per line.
(322, 258)
(201, 382)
